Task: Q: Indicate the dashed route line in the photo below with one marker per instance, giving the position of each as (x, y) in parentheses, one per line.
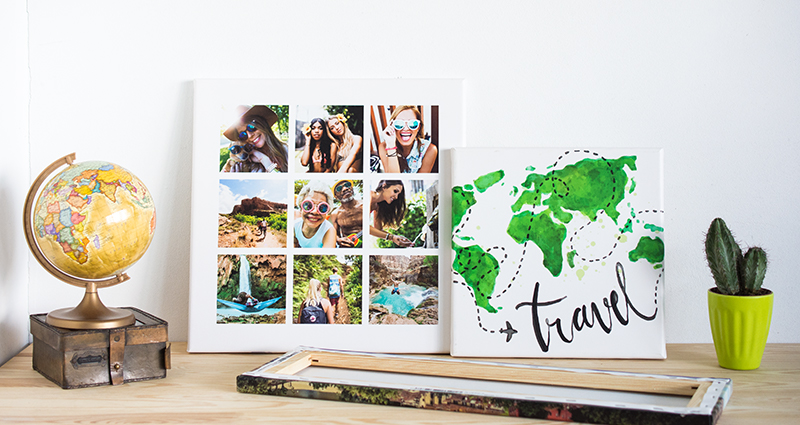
(616, 242)
(464, 222)
(592, 260)
(475, 301)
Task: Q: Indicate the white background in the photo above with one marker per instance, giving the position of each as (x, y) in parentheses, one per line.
(716, 84)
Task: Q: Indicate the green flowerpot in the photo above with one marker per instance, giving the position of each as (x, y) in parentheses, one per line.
(739, 325)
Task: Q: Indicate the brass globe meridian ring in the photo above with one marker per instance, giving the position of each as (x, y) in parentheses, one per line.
(91, 313)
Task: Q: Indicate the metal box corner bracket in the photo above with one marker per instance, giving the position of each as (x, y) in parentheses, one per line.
(85, 358)
(579, 395)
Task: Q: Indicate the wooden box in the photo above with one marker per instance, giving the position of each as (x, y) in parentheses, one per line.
(87, 358)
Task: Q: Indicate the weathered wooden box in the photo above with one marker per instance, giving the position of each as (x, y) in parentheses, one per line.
(87, 358)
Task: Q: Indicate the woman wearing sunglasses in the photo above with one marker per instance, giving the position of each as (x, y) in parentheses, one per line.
(252, 133)
(403, 148)
(388, 207)
(320, 152)
(314, 230)
(349, 144)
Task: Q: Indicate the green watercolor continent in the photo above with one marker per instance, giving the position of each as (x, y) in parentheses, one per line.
(462, 201)
(571, 258)
(548, 235)
(653, 228)
(486, 181)
(628, 228)
(479, 270)
(588, 187)
(650, 249)
(528, 197)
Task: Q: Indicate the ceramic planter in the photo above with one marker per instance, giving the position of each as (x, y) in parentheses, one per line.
(739, 325)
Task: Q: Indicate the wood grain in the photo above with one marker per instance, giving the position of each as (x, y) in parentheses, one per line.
(201, 388)
(595, 380)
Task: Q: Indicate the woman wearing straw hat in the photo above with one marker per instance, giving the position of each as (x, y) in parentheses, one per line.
(254, 127)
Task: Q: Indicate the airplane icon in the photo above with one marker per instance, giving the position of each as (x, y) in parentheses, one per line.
(509, 331)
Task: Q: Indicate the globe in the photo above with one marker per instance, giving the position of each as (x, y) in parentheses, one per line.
(89, 224)
(94, 220)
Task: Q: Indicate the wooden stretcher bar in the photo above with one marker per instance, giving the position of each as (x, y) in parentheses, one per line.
(699, 400)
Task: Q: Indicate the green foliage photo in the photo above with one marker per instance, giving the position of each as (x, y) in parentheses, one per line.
(224, 155)
(412, 224)
(320, 267)
(282, 126)
(276, 221)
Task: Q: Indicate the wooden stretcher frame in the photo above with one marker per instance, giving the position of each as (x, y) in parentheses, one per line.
(610, 394)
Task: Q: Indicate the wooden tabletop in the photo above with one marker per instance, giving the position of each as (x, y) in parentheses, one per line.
(201, 388)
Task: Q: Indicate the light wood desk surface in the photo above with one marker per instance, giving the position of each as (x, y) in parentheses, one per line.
(201, 388)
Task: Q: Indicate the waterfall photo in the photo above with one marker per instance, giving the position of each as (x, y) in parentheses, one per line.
(251, 289)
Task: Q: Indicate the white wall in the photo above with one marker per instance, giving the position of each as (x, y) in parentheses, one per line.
(14, 178)
(715, 83)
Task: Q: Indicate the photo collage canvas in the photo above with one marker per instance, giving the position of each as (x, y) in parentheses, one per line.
(327, 213)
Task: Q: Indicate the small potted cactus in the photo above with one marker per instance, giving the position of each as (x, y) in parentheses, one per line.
(739, 309)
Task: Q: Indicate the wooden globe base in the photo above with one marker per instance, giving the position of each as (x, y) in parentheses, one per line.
(91, 313)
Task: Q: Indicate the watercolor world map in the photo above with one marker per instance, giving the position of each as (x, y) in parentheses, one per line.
(533, 240)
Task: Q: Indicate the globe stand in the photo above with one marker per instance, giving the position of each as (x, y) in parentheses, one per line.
(91, 313)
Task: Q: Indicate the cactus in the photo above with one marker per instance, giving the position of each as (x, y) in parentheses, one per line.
(754, 267)
(734, 273)
(724, 256)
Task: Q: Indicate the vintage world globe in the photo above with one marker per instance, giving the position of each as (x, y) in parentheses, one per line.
(93, 220)
(90, 222)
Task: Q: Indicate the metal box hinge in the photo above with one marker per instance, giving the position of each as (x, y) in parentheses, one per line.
(168, 356)
(116, 354)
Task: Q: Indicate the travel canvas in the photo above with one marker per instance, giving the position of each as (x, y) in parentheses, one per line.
(558, 253)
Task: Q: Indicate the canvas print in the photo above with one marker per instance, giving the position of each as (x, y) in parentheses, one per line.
(558, 253)
(404, 289)
(301, 231)
(252, 213)
(328, 213)
(327, 289)
(404, 138)
(502, 389)
(253, 139)
(404, 213)
(329, 138)
(251, 289)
